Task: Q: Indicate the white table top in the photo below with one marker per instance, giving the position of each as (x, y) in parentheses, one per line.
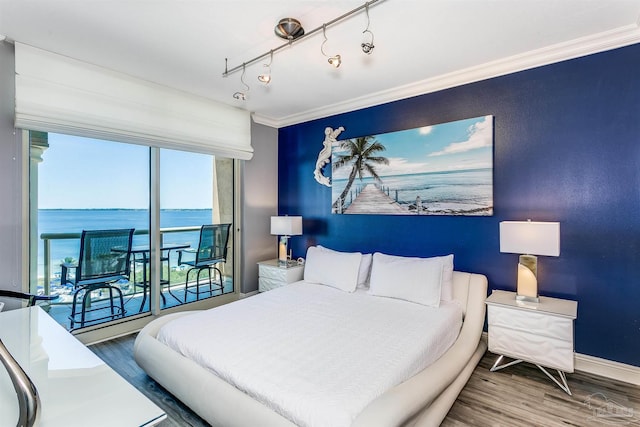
(76, 387)
(555, 306)
(275, 263)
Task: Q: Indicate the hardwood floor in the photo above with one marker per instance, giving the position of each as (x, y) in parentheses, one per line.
(520, 395)
(118, 354)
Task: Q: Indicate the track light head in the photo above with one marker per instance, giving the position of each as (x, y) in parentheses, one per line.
(335, 61)
(264, 78)
(367, 48)
(242, 96)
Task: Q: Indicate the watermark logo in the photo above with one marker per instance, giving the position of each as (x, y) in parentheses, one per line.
(607, 411)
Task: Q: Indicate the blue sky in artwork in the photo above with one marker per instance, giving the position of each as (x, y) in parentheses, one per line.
(454, 146)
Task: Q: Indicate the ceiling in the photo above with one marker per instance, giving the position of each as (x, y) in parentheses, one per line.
(421, 46)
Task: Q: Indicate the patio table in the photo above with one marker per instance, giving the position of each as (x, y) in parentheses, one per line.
(140, 254)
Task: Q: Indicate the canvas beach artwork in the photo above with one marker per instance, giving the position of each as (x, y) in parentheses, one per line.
(443, 169)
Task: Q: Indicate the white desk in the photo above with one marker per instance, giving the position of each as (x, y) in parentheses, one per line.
(76, 387)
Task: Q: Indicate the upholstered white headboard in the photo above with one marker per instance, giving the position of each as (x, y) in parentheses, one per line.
(462, 282)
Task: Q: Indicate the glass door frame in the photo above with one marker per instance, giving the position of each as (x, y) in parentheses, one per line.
(130, 324)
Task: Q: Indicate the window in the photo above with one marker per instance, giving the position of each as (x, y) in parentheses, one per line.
(81, 184)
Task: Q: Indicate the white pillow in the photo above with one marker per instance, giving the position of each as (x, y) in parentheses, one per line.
(417, 280)
(331, 268)
(363, 272)
(447, 278)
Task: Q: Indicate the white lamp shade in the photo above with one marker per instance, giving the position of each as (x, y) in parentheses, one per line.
(286, 225)
(530, 237)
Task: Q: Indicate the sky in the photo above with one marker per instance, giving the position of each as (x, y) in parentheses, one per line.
(84, 173)
(460, 145)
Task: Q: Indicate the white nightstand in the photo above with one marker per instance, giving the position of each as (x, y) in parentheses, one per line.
(539, 333)
(271, 276)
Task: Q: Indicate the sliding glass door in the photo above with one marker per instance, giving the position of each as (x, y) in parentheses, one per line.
(81, 186)
(196, 214)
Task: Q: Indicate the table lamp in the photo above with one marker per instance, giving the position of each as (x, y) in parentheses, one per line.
(285, 227)
(529, 238)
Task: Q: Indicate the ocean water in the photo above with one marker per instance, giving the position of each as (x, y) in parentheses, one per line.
(458, 192)
(76, 220)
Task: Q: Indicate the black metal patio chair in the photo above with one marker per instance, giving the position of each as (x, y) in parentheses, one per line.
(104, 259)
(212, 250)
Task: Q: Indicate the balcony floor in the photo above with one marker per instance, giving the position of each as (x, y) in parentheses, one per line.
(61, 311)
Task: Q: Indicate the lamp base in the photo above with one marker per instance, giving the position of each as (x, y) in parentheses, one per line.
(525, 298)
(527, 279)
(283, 249)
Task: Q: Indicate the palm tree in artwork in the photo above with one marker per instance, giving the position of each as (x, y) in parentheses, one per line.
(362, 154)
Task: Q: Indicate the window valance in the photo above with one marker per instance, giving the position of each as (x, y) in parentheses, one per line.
(58, 94)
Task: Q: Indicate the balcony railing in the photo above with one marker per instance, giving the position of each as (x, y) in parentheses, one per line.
(47, 238)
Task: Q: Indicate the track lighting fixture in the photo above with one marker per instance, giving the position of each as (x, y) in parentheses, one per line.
(334, 60)
(266, 76)
(291, 30)
(242, 96)
(367, 47)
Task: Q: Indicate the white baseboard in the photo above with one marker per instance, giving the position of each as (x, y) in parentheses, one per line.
(248, 294)
(608, 368)
(603, 367)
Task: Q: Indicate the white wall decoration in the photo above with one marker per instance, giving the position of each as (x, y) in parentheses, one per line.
(330, 136)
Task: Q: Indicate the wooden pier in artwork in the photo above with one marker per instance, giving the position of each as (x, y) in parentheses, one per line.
(373, 200)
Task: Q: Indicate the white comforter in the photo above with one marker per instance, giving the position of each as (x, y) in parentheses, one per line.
(315, 354)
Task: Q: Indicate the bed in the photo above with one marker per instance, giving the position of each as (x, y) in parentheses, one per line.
(312, 354)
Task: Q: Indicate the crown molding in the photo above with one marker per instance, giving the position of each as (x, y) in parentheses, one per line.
(270, 121)
(588, 45)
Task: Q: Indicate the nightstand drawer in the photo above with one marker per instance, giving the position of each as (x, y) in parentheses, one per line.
(265, 284)
(270, 272)
(538, 323)
(545, 351)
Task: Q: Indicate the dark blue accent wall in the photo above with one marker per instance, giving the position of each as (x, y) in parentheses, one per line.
(567, 148)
